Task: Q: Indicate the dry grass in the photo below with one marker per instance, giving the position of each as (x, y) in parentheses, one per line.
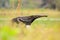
(40, 30)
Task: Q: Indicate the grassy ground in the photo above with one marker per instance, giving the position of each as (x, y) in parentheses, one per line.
(44, 29)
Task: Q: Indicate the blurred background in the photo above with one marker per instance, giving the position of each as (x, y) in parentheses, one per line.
(41, 29)
(30, 4)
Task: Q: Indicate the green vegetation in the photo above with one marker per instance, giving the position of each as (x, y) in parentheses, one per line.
(40, 29)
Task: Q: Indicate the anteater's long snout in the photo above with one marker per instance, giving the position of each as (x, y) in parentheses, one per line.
(38, 16)
(43, 15)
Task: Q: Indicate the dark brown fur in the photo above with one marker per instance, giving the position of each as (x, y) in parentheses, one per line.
(27, 20)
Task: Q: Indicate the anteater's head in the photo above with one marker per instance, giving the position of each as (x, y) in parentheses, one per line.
(38, 16)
